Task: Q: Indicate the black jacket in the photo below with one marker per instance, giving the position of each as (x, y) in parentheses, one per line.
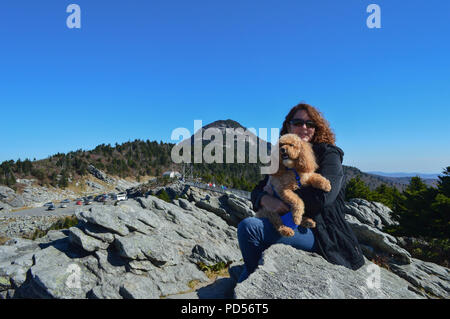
(335, 240)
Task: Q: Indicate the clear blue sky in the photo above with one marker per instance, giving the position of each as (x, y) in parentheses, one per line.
(139, 69)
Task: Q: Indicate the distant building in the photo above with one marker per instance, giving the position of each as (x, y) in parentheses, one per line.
(172, 174)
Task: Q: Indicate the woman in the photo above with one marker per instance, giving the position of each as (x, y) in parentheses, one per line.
(332, 238)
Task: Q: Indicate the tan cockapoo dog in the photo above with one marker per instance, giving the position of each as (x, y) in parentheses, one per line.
(298, 155)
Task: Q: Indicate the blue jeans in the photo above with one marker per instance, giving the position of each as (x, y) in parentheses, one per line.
(256, 235)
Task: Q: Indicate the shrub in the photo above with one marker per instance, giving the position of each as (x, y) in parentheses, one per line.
(213, 271)
(164, 196)
(62, 223)
(3, 240)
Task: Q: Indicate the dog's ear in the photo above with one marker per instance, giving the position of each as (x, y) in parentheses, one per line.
(307, 159)
(275, 157)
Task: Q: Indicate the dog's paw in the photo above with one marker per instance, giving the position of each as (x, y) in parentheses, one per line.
(286, 231)
(297, 220)
(326, 185)
(308, 223)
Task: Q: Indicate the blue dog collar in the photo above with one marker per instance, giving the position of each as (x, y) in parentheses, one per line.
(297, 178)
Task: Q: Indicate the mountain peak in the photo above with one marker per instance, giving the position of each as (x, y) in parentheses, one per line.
(222, 124)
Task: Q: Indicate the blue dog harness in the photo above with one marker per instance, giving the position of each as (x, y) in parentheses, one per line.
(287, 218)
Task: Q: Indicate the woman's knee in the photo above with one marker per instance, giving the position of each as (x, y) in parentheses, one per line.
(249, 225)
(249, 222)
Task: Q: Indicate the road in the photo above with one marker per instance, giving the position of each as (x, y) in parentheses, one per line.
(42, 211)
(72, 207)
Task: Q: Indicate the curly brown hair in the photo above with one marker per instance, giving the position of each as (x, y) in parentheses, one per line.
(323, 132)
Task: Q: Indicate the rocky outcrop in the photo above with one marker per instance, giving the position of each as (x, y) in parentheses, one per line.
(32, 195)
(372, 214)
(100, 174)
(5, 208)
(368, 219)
(229, 207)
(148, 248)
(430, 278)
(138, 249)
(120, 185)
(9, 197)
(288, 273)
(375, 242)
(19, 226)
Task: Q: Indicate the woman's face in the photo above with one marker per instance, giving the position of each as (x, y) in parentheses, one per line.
(305, 133)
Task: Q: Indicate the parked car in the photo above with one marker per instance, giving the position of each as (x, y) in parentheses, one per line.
(48, 204)
(63, 206)
(122, 196)
(102, 198)
(87, 202)
(66, 201)
(113, 196)
(51, 207)
(78, 202)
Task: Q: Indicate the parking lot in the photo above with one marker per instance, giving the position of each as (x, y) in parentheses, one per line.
(43, 211)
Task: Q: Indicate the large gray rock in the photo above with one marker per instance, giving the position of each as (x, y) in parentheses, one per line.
(100, 175)
(88, 243)
(370, 213)
(175, 279)
(214, 205)
(55, 275)
(9, 196)
(288, 273)
(5, 208)
(138, 287)
(432, 278)
(243, 208)
(106, 217)
(104, 291)
(229, 207)
(211, 254)
(96, 231)
(141, 247)
(375, 238)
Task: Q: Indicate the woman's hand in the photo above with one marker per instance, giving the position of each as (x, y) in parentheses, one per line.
(272, 203)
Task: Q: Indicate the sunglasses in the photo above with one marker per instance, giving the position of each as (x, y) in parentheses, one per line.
(300, 122)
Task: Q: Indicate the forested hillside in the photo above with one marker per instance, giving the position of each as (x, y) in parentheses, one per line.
(134, 159)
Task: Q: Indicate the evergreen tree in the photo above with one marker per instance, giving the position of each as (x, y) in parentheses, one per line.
(356, 188)
(389, 196)
(440, 207)
(414, 213)
(444, 182)
(63, 182)
(164, 196)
